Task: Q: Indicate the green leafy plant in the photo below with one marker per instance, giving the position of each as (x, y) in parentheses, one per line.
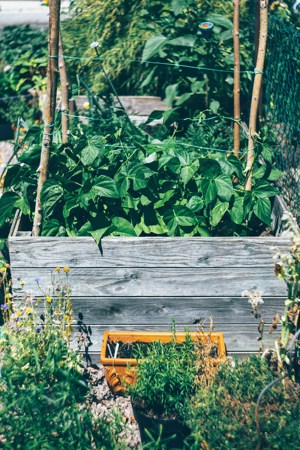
(165, 377)
(42, 382)
(119, 183)
(287, 268)
(221, 415)
(23, 63)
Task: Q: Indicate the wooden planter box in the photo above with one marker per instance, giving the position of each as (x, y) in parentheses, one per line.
(144, 283)
(120, 371)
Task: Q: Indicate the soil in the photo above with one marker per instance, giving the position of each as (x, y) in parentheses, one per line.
(133, 350)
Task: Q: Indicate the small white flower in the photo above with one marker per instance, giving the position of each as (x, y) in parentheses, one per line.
(254, 297)
(94, 44)
(7, 68)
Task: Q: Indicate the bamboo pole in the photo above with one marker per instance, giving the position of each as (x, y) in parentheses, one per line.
(52, 76)
(261, 53)
(64, 93)
(237, 81)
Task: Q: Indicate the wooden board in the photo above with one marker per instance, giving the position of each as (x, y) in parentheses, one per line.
(152, 252)
(142, 282)
(237, 339)
(145, 283)
(162, 310)
(134, 105)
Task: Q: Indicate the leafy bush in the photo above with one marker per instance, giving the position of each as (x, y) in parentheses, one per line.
(42, 381)
(164, 32)
(165, 377)
(222, 415)
(118, 183)
(23, 62)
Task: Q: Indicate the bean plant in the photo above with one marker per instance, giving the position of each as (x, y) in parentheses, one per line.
(113, 179)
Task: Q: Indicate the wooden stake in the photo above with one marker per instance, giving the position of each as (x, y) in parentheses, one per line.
(52, 76)
(64, 93)
(263, 33)
(237, 82)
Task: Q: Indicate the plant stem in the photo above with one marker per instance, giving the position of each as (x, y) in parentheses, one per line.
(237, 82)
(52, 76)
(263, 33)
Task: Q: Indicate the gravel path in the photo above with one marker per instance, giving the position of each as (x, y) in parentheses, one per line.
(103, 402)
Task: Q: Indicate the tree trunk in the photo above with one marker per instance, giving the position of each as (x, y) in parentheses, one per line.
(52, 76)
(263, 32)
(64, 93)
(237, 82)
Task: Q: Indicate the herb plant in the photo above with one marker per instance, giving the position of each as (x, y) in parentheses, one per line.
(165, 378)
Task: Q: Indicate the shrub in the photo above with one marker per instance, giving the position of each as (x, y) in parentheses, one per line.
(221, 415)
(42, 383)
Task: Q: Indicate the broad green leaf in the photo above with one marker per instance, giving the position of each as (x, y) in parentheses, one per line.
(7, 204)
(183, 98)
(214, 106)
(50, 227)
(209, 168)
(51, 194)
(105, 187)
(237, 210)
(179, 216)
(171, 92)
(170, 117)
(259, 172)
(275, 174)
(267, 154)
(262, 210)
(164, 198)
(187, 173)
(220, 20)
(195, 203)
(155, 115)
(152, 46)
(183, 41)
(178, 6)
(209, 190)
(122, 183)
(224, 187)
(264, 189)
(95, 148)
(99, 234)
(123, 227)
(218, 212)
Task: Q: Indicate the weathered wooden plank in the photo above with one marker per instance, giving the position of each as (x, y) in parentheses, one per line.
(167, 282)
(144, 252)
(137, 105)
(237, 339)
(162, 310)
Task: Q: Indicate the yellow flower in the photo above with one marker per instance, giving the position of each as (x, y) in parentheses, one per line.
(8, 296)
(28, 310)
(66, 317)
(22, 283)
(19, 324)
(18, 313)
(66, 269)
(3, 269)
(49, 299)
(57, 269)
(86, 105)
(39, 299)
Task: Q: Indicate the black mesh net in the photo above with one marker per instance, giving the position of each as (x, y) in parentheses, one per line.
(282, 105)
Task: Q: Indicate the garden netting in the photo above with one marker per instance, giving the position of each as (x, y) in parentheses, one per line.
(282, 105)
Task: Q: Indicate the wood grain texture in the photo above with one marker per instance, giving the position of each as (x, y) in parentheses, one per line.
(145, 252)
(237, 339)
(167, 282)
(162, 310)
